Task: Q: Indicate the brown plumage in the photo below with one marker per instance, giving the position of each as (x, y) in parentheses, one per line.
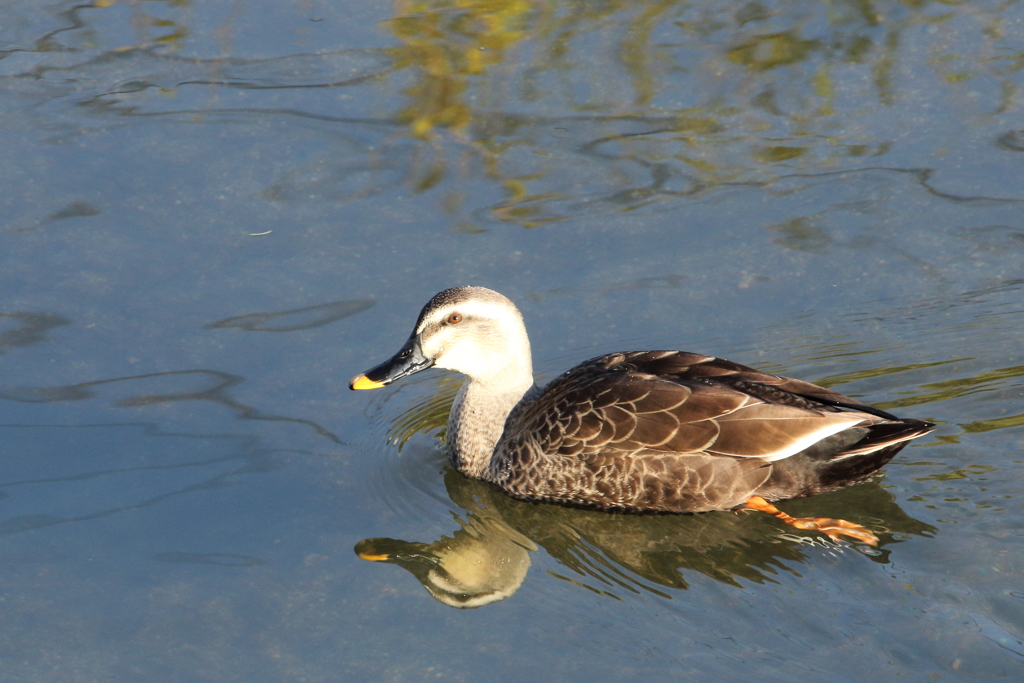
(663, 431)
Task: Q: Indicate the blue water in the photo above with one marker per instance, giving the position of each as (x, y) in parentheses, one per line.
(214, 214)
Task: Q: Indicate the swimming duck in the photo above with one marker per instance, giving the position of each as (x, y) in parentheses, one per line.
(639, 431)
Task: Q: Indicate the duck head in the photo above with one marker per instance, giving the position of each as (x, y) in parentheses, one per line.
(472, 330)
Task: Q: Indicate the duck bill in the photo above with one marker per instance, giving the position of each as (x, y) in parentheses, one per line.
(407, 361)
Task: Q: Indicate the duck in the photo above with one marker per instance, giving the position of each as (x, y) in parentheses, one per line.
(639, 431)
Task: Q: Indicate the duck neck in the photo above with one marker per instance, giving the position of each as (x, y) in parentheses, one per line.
(478, 415)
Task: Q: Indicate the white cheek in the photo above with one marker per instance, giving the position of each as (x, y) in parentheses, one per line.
(439, 352)
(457, 356)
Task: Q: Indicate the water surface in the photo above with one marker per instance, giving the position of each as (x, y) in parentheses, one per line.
(216, 213)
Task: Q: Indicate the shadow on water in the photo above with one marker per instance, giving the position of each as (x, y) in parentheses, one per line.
(32, 329)
(246, 459)
(299, 319)
(213, 385)
(488, 557)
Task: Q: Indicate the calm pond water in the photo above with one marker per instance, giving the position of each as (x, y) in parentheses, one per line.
(214, 214)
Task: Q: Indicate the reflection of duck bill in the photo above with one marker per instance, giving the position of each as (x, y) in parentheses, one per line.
(391, 551)
(370, 557)
(464, 574)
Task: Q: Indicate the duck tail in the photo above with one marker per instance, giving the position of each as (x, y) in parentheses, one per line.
(884, 435)
(865, 457)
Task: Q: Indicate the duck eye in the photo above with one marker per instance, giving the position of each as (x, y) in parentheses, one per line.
(454, 318)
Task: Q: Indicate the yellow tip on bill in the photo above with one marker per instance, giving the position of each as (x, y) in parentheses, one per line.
(373, 558)
(364, 382)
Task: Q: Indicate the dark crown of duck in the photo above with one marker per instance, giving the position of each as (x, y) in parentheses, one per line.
(645, 430)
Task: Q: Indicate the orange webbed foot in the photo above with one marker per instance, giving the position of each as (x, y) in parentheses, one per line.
(834, 528)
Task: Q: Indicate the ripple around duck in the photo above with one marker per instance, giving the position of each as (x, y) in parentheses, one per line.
(405, 422)
(410, 487)
(715, 626)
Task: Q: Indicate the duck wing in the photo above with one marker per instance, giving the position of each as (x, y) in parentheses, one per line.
(696, 367)
(675, 431)
(676, 402)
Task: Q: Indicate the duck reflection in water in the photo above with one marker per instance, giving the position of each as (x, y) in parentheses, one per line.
(639, 431)
(488, 557)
